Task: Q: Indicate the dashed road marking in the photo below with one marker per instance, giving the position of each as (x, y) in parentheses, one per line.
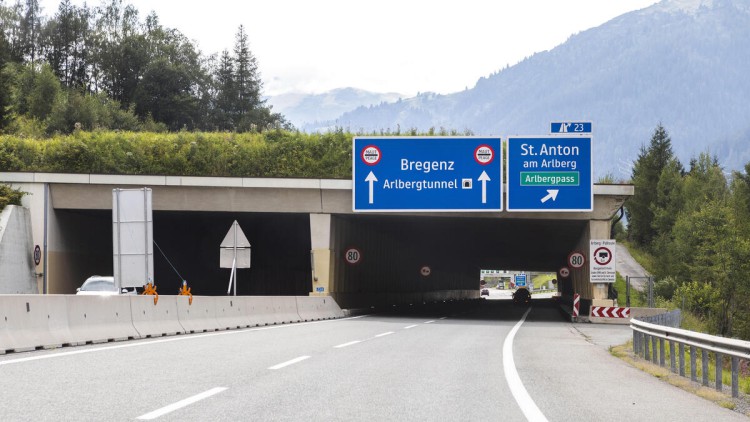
(289, 362)
(347, 344)
(180, 404)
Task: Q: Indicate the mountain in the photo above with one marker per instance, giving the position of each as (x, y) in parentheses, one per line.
(308, 109)
(681, 63)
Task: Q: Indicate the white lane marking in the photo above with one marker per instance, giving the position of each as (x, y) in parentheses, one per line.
(445, 317)
(384, 334)
(289, 362)
(347, 344)
(410, 326)
(180, 404)
(140, 343)
(524, 400)
(429, 322)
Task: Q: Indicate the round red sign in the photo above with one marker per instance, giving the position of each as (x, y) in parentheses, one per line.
(484, 154)
(371, 155)
(352, 256)
(576, 259)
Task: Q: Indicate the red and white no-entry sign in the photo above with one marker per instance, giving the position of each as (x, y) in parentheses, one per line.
(576, 259)
(371, 155)
(484, 154)
(352, 256)
(564, 272)
(603, 255)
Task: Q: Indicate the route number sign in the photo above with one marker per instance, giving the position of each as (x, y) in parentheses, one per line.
(352, 256)
(576, 259)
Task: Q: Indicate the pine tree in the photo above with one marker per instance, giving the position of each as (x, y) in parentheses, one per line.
(5, 82)
(647, 171)
(225, 93)
(248, 106)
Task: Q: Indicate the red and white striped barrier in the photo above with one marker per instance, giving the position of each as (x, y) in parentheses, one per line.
(610, 312)
(576, 304)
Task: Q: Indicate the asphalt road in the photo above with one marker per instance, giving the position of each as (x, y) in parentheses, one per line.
(443, 363)
(627, 266)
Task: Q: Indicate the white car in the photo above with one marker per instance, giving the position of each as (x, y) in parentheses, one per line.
(99, 285)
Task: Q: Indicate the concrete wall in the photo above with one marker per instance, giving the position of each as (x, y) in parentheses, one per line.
(17, 273)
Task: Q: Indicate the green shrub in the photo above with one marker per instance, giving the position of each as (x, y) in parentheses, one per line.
(10, 196)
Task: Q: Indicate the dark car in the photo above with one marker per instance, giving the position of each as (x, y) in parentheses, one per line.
(484, 292)
(522, 297)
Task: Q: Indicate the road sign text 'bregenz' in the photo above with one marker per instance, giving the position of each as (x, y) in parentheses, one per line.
(550, 173)
(427, 174)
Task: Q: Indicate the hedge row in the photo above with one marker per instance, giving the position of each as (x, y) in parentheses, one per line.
(270, 154)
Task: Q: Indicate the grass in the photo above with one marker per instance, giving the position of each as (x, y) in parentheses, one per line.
(724, 399)
(545, 279)
(642, 257)
(637, 299)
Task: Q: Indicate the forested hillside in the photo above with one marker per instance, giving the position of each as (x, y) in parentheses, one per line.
(106, 67)
(681, 63)
(695, 222)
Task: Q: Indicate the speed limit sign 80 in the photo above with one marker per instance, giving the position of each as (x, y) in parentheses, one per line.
(352, 256)
(576, 259)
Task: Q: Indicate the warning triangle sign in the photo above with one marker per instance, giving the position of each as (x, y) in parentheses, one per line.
(241, 239)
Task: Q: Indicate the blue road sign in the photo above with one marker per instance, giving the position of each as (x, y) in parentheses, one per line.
(427, 174)
(570, 127)
(550, 173)
(520, 280)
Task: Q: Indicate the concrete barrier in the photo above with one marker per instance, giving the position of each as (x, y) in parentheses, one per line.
(315, 308)
(331, 309)
(99, 319)
(231, 313)
(155, 320)
(198, 317)
(260, 311)
(29, 322)
(285, 309)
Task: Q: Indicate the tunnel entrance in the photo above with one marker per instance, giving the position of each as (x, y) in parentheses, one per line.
(395, 250)
(190, 243)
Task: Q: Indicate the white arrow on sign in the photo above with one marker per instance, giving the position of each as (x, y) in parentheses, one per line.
(371, 179)
(484, 179)
(551, 194)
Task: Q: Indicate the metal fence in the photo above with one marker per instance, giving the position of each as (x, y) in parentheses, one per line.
(649, 342)
(649, 289)
(670, 319)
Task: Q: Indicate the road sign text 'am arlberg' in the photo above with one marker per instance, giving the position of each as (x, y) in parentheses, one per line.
(425, 174)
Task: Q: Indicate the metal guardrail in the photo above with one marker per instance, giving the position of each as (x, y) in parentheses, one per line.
(649, 342)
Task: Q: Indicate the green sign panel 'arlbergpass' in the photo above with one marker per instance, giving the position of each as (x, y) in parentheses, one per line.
(550, 178)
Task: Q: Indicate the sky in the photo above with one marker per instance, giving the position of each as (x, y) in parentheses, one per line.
(401, 46)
